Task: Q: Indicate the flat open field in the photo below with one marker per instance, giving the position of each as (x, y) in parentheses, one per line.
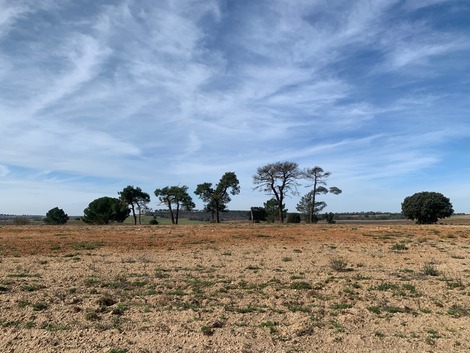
(235, 288)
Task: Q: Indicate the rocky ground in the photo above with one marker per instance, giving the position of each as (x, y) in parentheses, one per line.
(235, 288)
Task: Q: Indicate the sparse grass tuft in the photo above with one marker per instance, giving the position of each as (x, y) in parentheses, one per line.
(430, 270)
(338, 264)
(207, 330)
(39, 306)
(458, 311)
(118, 350)
(119, 309)
(399, 247)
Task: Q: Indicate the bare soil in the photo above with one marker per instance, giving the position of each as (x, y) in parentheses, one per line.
(235, 288)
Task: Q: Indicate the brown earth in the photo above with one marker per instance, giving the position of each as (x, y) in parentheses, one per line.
(235, 288)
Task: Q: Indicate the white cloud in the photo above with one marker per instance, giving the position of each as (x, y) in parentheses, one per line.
(9, 13)
(145, 92)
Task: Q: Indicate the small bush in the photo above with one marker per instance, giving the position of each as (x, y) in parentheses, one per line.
(338, 264)
(430, 270)
(294, 218)
(399, 247)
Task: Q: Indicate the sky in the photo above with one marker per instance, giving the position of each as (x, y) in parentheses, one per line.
(96, 95)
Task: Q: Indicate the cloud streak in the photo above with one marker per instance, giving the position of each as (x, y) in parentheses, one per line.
(156, 94)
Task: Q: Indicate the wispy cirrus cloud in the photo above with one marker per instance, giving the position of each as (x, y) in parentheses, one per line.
(144, 93)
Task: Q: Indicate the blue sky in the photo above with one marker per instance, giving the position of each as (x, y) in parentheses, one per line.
(96, 95)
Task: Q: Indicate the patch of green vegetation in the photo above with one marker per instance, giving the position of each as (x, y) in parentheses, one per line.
(207, 330)
(379, 334)
(391, 235)
(299, 308)
(29, 325)
(92, 315)
(389, 309)
(119, 309)
(86, 245)
(32, 287)
(92, 281)
(387, 286)
(457, 311)
(399, 247)
(337, 326)
(39, 306)
(55, 327)
(270, 324)
(23, 303)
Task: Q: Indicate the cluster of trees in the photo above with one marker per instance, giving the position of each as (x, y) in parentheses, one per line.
(276, 179)
(281, 178)
(176, 198)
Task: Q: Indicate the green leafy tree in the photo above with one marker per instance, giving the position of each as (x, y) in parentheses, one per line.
(271, 207)
(258, 214)
(217, 197)
(135, 198)
(104, 210)
(318, 178)
(175, 196)
(329, 217)
(426, 207)
(305, 206)
(56, 215)
(278, 179)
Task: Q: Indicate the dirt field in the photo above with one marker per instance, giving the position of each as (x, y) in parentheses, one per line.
(235, 288)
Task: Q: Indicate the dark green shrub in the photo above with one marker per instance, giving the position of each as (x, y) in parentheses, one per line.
(294, 218)
(56, 215)
(426, 207)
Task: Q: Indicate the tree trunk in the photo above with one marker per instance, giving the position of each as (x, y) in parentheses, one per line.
(177, 212)
(171, 213)
(312, 207)
(133, 214)
(140, 213)
(217, 212)
(279, 208)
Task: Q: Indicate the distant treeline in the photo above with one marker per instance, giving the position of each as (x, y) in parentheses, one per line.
(240, 215)
(236, 215)
(372, 216)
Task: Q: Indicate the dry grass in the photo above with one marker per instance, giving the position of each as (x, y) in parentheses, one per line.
(235, 288)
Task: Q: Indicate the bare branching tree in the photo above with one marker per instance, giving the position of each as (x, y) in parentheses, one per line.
(278, 179)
